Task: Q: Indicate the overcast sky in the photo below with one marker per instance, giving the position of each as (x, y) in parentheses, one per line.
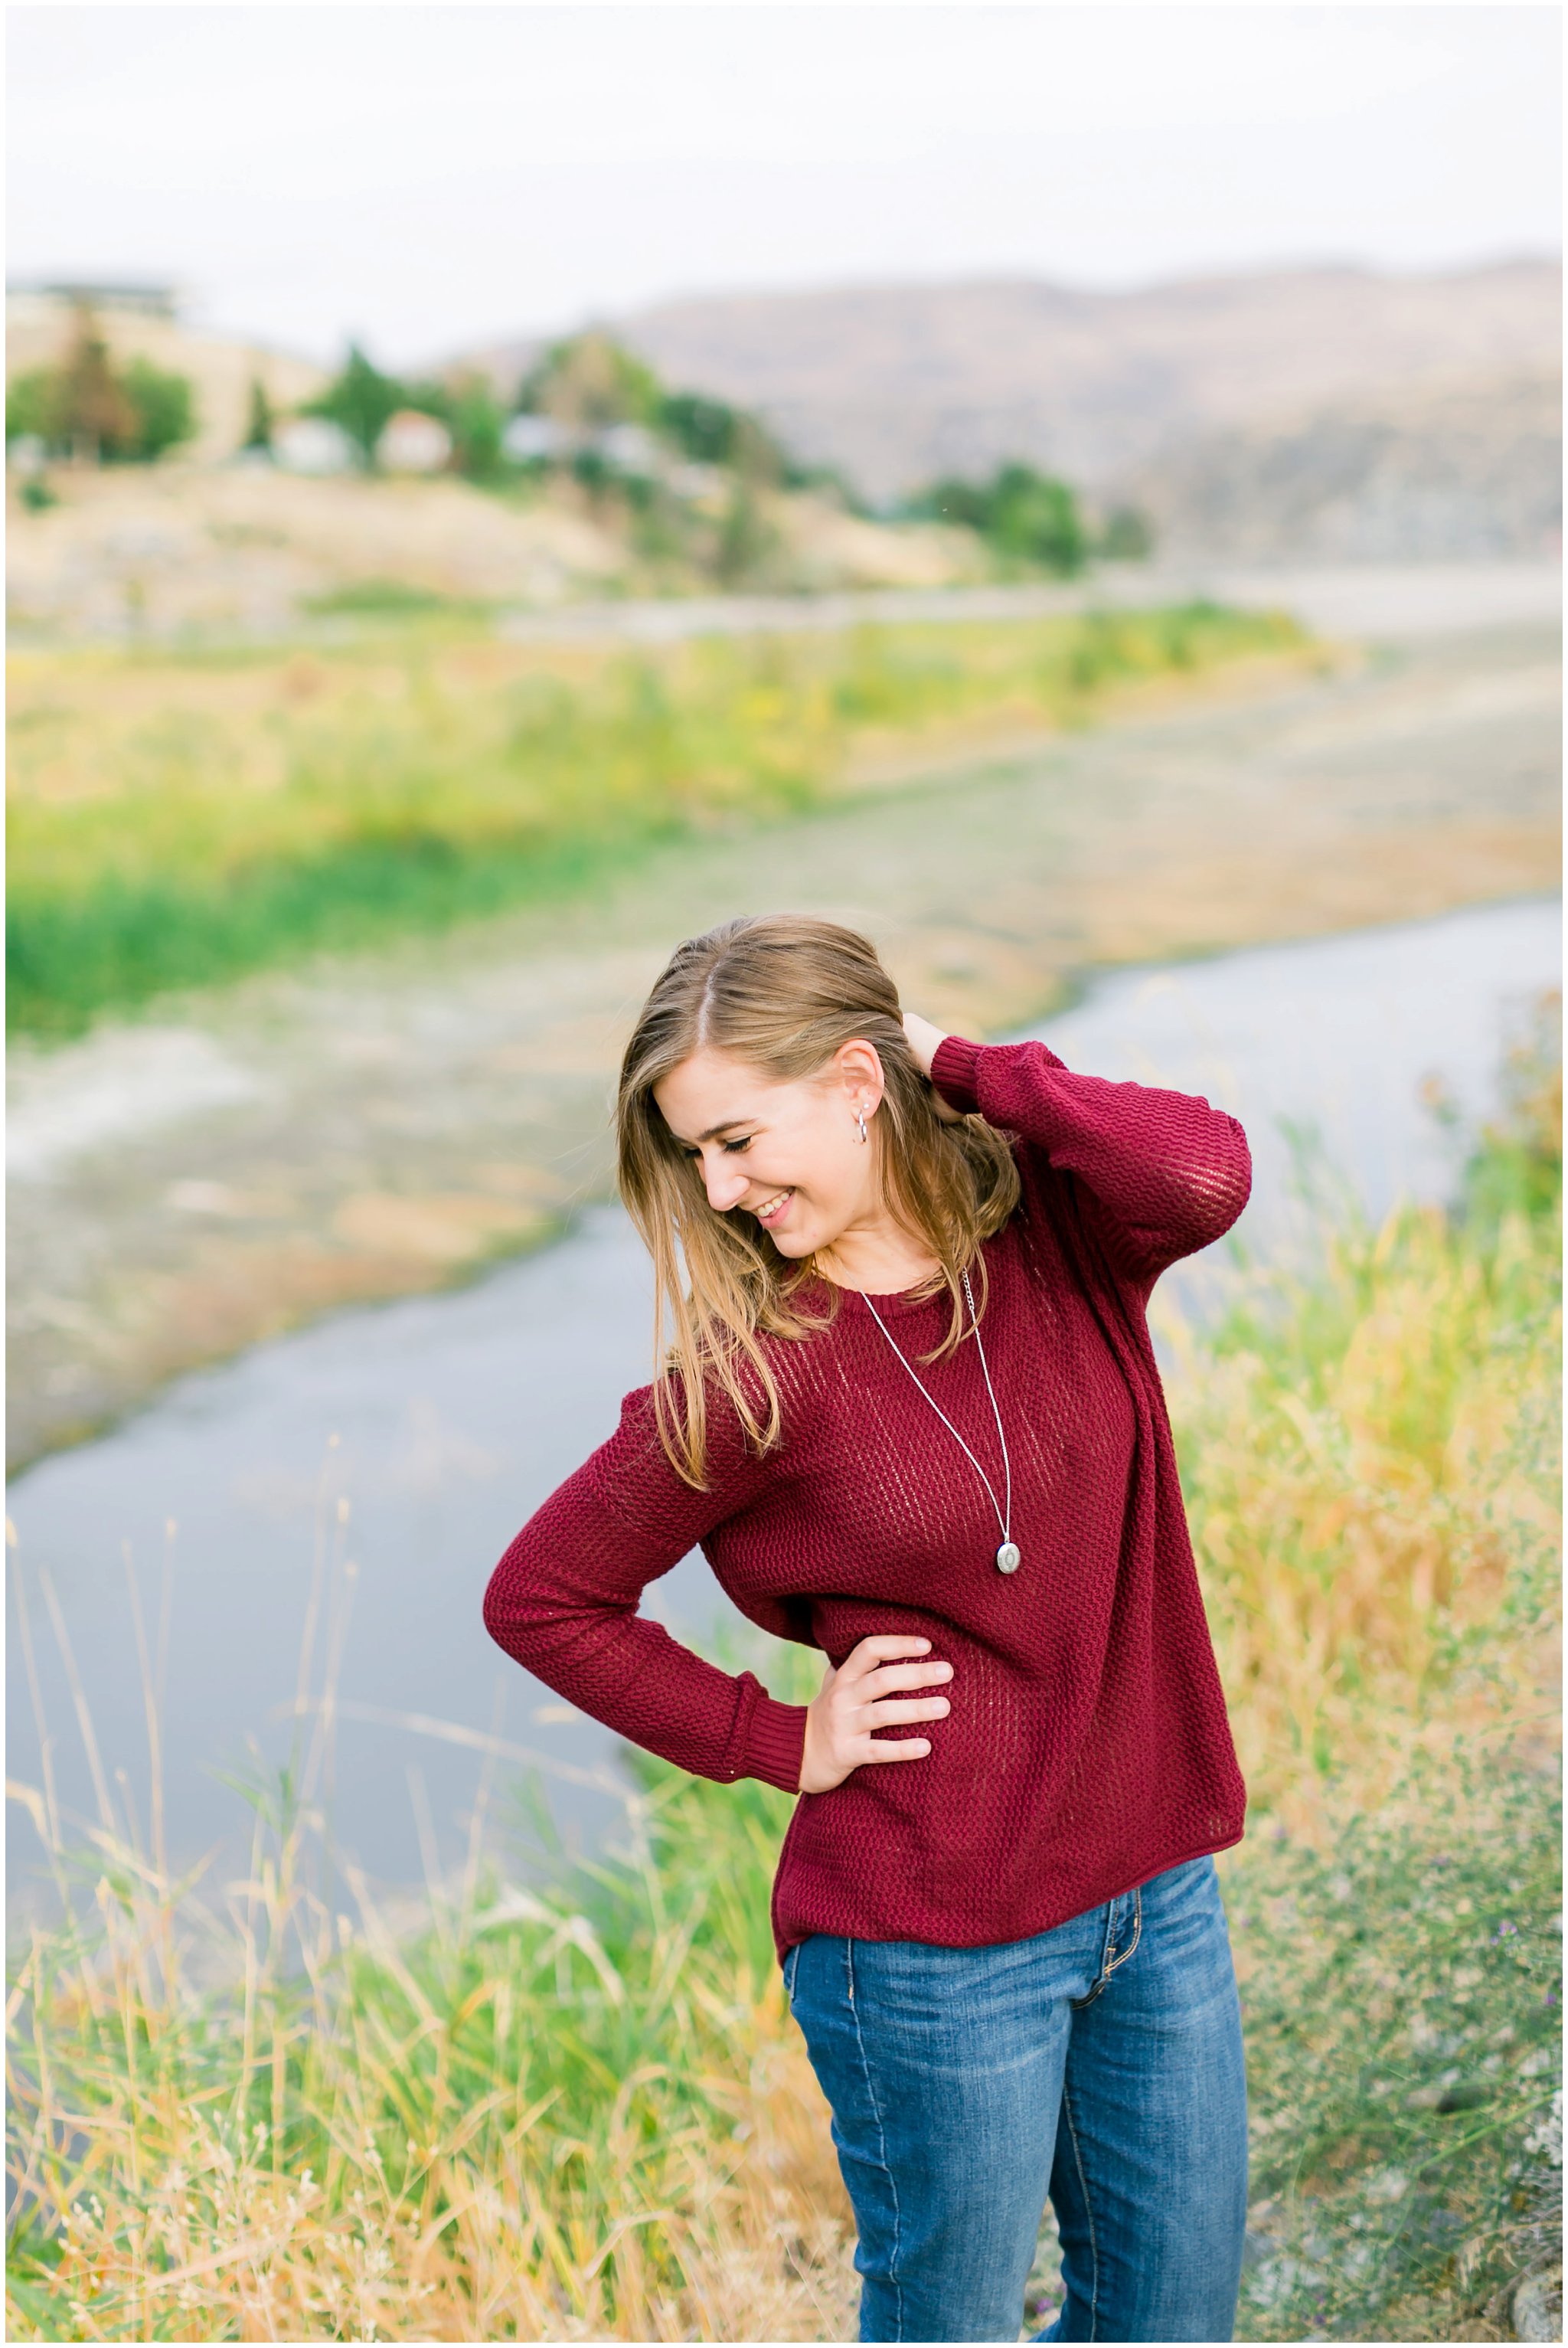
(428, 177)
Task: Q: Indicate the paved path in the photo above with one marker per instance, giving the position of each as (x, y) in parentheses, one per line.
(183, 1186)
(1432, 600)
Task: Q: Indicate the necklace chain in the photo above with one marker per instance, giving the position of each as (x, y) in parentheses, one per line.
(1006, 1556)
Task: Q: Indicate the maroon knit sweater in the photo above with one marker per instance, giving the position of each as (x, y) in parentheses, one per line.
(1087, 1747)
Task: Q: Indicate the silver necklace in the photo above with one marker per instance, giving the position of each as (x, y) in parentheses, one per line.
(1008, 1556)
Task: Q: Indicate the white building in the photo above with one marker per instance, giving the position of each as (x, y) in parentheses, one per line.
(528, 438)
(136, 300)
(309, 444)
(411, 442)
(629, 447)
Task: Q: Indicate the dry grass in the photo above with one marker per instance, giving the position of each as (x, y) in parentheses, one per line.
(535, 2117)
(1372, 1475)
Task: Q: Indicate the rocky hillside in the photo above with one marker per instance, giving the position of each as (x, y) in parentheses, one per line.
(1457, 471)
(1293, 411)
(902, 384)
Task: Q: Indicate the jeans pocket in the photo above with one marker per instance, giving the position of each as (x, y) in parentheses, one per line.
(791, 1964)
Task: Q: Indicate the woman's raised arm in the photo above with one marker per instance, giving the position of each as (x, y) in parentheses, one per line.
(1168, 1174)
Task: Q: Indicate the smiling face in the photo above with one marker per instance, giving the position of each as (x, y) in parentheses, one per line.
(789, 1154)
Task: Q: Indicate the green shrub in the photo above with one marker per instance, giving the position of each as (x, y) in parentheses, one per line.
(165, 410)
(1029, 518)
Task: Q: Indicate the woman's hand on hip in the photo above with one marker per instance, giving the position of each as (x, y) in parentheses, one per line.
(924, 1040)
(857, 1698)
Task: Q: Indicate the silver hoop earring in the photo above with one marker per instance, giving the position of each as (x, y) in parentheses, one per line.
(860, 1121)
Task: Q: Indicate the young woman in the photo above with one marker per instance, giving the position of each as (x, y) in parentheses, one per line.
(911, 1414)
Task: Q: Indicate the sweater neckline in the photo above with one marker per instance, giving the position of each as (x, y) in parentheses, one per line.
(897, 1304)
(893, 1304)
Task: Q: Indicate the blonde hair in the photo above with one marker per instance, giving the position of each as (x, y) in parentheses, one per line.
(782, 993)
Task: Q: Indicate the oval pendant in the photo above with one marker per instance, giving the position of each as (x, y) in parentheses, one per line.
(1008, 1558)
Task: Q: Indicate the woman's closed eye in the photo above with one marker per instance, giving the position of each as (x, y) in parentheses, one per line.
(729, 1147)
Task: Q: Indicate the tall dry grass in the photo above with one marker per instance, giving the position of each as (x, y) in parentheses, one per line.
(578, 2110)
(250, 2113)
(1369, 1455)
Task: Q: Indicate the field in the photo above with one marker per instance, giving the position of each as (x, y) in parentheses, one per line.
(581, 2112)
(176, 820)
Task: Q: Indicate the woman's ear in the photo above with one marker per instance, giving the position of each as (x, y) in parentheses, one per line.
(859, 1068)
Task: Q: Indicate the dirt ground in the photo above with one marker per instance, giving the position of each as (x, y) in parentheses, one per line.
(139, 554)
(187, 1184)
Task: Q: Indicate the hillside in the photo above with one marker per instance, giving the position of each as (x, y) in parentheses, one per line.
(212, 539)
(1251, 402)
(158, 550)
(1324, 414)
(901, 383)
(1449, 472)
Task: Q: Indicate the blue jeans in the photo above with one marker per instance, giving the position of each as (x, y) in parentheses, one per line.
(1099, 2063)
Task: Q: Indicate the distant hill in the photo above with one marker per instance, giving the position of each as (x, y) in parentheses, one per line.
(898, 384)
(1448, 472)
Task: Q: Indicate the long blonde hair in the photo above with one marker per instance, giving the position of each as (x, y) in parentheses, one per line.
(782, 993)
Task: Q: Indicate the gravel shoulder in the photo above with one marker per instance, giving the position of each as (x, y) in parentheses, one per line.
(184, 1184)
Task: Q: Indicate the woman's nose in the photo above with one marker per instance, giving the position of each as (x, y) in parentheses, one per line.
(726, 1185)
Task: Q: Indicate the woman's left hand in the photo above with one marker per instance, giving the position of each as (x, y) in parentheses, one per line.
(924, 1040)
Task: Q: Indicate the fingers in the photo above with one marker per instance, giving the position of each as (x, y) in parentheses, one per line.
(885, 1716)
(922, 1040)
(904, 1675)
(859, 1698)
(880, 1645)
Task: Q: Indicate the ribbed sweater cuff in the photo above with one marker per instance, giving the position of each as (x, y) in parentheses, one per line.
(953, 1072)
(775, 1745)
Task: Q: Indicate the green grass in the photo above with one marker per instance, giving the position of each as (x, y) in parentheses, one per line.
(179, 821)
(391, 599)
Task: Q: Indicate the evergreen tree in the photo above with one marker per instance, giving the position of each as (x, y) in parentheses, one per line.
(362, 401)
(744, 538)
(589, 382)
(261, 421)
(94, 415)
